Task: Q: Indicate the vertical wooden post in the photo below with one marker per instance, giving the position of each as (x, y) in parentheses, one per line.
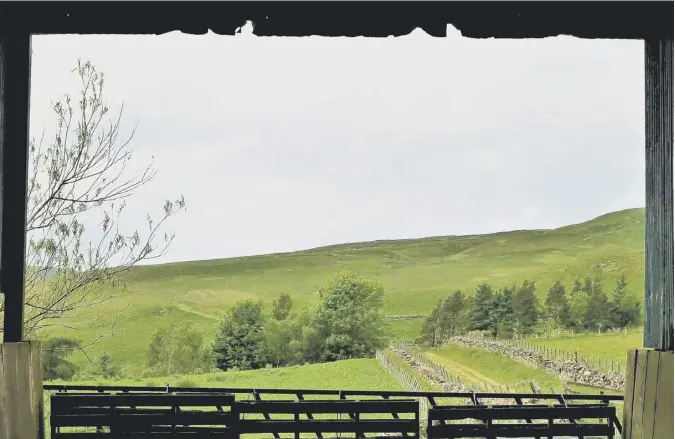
(648, 402)
(21, 403)
(21, 399)
(658, 332)
(15, 55)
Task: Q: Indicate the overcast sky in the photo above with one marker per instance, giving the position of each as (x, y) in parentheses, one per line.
(280, 144)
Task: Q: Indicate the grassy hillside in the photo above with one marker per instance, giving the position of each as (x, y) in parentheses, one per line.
(361, 374)
(415, 273)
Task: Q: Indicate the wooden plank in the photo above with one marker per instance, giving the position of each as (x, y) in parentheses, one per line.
(472, 407)
(124, 421)
(21, 384)
(4, 418)
(182, 432)
(639, 394)
(17, 385)
(67, 401)
(36, 389)
(518, 430)
(333, 406)
(329, 426)
(629, 390)
(663, 419)
(522, 413)
(4, 401)
(107, 411)
(144, 435)
(651, 386)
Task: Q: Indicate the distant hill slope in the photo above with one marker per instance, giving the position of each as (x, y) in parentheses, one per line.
(415, 273)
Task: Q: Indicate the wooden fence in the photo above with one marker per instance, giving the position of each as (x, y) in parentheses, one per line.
(432, 399)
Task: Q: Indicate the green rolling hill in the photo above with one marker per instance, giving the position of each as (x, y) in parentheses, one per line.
(415, 273)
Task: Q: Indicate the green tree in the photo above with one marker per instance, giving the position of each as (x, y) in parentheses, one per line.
(526, 307)
(451, 314)
(177, 349)
(283, 339)
(309, 347)
(282, 307)
(597, 311)
(557, 307)
(501, 313)
(106, 368)
(481, 308)
(54, 363)
(587, 286)
(349, 319)
(430, 326)
(578, 302)
(240, 338)
(625, 309)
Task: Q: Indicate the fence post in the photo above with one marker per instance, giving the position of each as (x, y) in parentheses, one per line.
(22, 411)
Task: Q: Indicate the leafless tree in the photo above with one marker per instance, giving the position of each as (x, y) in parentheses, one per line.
(84, 171)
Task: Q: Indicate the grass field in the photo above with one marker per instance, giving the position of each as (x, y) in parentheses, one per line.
(474, 365)
(606, 346)
(415, 273)
(360, 374)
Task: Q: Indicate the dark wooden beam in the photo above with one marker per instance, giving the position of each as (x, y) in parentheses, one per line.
(15, 56)
(486, 19)
(659, 197)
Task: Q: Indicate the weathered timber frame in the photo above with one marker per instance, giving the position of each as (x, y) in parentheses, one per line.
(15, 54)
(650, 21)
(659, 201)
(644, 20)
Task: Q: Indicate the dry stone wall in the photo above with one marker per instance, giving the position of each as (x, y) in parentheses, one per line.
(440, 379)
(436, 374)
(567, 370)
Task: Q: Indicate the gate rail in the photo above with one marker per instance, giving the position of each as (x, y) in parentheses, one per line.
(434, 398)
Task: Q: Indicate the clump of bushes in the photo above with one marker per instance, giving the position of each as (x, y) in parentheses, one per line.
(348, 322)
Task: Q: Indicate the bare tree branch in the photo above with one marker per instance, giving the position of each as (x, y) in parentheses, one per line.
(84, 169)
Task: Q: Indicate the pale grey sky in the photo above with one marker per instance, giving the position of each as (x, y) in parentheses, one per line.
(281, 144)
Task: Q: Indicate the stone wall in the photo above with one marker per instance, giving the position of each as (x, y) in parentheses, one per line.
(567, 370)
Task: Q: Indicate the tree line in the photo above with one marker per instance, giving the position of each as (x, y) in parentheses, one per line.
(516, 310)
(347, 322)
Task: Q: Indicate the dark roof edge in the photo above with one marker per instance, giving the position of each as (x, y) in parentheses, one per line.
(478, 19)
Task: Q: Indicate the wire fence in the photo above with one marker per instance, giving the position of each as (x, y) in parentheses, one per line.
(561, 355)
(409, 383)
